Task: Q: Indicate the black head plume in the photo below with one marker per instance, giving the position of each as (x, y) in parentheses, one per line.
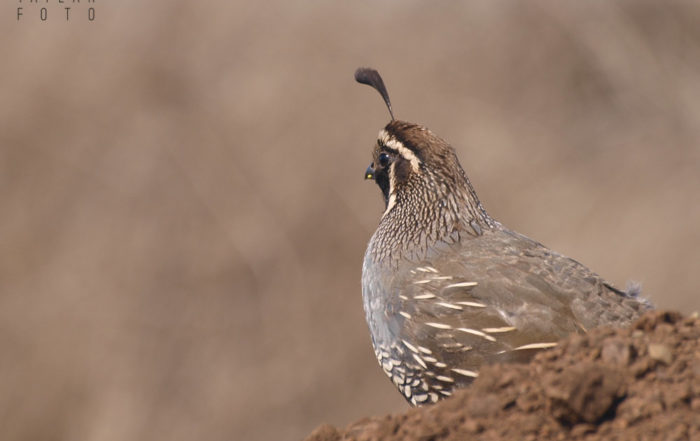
(371, 77)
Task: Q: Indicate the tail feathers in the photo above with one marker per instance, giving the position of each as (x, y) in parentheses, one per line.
(633, 288)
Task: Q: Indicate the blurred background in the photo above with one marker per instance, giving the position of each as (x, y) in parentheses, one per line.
(184, 216)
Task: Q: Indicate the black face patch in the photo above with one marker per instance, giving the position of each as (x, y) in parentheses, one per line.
(388, 161)
(390, 166)
(381, 177)
(383, 158)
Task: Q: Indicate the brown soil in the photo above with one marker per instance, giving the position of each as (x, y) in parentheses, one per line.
(640, 383)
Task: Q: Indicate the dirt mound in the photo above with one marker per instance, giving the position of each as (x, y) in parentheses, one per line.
(640, 383)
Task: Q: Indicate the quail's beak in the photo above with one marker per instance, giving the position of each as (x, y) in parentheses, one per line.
(369, 173)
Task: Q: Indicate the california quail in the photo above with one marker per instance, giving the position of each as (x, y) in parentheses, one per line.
(446, 288)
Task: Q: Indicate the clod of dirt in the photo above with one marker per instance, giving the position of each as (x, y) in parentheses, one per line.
(639, 383)
(585, 393)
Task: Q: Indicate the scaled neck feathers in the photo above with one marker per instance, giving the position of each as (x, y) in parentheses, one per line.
(428, 209)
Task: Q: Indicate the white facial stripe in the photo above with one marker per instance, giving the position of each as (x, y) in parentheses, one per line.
(392, 190)
(403, 151)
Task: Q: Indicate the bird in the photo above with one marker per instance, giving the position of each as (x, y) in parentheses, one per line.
(447, 289)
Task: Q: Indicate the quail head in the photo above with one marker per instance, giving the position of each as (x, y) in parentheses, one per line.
(446, 288)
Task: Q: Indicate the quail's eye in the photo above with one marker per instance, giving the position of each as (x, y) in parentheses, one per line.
(383, 159)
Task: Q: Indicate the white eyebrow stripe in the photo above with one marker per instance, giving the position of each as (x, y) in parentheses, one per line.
(392, 143)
